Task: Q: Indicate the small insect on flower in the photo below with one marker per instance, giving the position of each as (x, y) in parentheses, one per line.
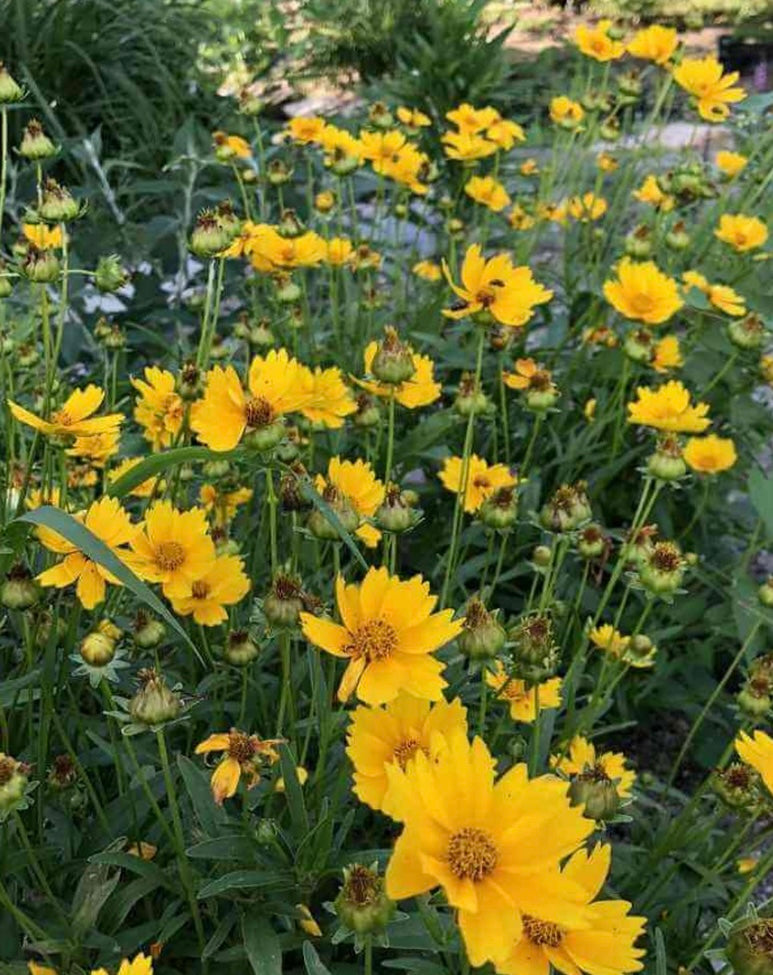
(244, 755)
(388, 635)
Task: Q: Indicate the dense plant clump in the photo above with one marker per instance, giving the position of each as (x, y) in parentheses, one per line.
(385, 584)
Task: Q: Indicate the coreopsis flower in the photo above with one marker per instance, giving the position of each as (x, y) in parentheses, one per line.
(520, 219)
(650, 192)
(535, 381)
(420, 390)
(565, 112)
(604, 942)
(746, 864)
(223, 584)
(581, 757)
(654, 43)
(668, 408)
(339, 251)
(223, 505)
(173, 548)
(589, 409)
(710, 455)
(112, 525)
(409, 167)
(305, 250)
(357, 482)
(467, 147)
(412, 118)
(277, 385)
(380, 148)
(159, 409)
(730, 164)
(487, 191)
(606, 162)
(666, 354)
(713, 90)
(642, 292)
(722, 296)
(610, 640)
(74, 418)
(494, 847)
(472, 120)
(43, 236)
(393, 735)
(244, 755)
(523, 698)
(330, 399)
(595, 42)
(482, 479)
(342, 150)
(740, 232)
(505, 133)
(388, 634)
(554, 212)
(757, 750)
(529, 167)
(229, 147)
(587, 207)
(428, 270)
(508, 294)
(306, 128)
(146, 489)
(96, 449)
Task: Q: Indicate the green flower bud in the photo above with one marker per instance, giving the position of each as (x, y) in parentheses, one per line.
(13, 782)
(630, 84)
(57, 204)
(567, 509)
(110, 276)
(9, 91)
(361, 904)
(542, 556)
(264, 438)
(535, 654)
(638, 243)
(288, 292)
(380, 116)
(154, 703)
(321, 528)
(737, 786)
(638, 345)
(35, 144)
(750, 947)
(6, 286)
(667, 463)
(754, 698)
(748, 332)
(596, 792)
(500, 510)
(393, 362)
(284, 603)
(591, 542)
(368, 411)
(395, 514)
(289, 224)
(20, 591)
(470, 398)
(97, 649)
(239, 648)
(41, 267)
(148, 631)
(482, 636)
(278, 172)
(209, 237)
(765, 592)
(677, 238)
(663, 569)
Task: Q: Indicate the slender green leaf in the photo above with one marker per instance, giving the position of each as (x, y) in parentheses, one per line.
(241, 880)
(312, 960)
(262, 945)
(156, 464)
(210, 816)
(294, 793)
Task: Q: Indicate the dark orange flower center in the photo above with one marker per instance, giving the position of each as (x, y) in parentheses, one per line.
(258, 412)
(542, 932)
(241, 746)
(62, 417)
(170, 556)
(200, 589)
(405, 751)
(374, 640)
(471, 854)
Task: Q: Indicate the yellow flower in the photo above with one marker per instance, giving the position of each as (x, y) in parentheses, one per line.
(146, 489)
(339, 251)
(387, 634)
(173, 548)
(222, 584)
(607, 162)
(380, 148)
(301, 774)
(522, 697)
(757, 750)
(564, 111)
(740, 232)
(668, 408)
(556, 212)
(306, 128)
(408, 166)
(595, 42)
(610, 640)
(589, 409)
(467, 147)
(357, 482)
(74, 418)
(509, 294)
(494, 847)
(324, 201)
(243, 756)
(587, 207)
(329, 400)
(42, 236)
(277, 385)
(420, 390)
(393, 735)
(159, 409)
(428, 270)
(654, 43)
(704, 79)
(96, 449)
(231, 145)
(223, 505)
(643, 292)
(730, 164)
(111, 524)
(306, 250)
(482, 480)
(487, 191)
(720, 295)
(666, 354)
(139, 965)
(505, 133)
(520, 219)
(412, 118)
(340, 145)
(604, 944)
(650, 192)
(472, 120)
(582, 757)
(529, 167)
(529, 375)
(306, 923)
(710, 455)
(143, 850)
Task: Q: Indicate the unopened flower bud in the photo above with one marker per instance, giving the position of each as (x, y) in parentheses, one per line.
(288, 292)
(393, 362)
(148, 631)
(750, 946)
(240, 649)
(97, 649)
(57, 204)
(380, 116)
(754, 698)
(596, 793)
(591, 542)
(535, 654)
(110, 276)
(209, 237)
(278, 172)
(13, 782)
(283, 603)
(20, 590)
(765, 592)
(638, 243)
(41, 267)
(663, 569)
(541, 556)
(567, 509)
(322, 528)
(395, 514)
(638, 345)
(748, 332)
(154, 703)
(470, 398)
(10, 91)
(500, 509)
(368, 411)
(667, 462)
(677, 238)
(35, 144)
(482, 636)
(362, 905)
